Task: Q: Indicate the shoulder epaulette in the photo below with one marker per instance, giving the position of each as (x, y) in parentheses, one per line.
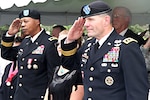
(129, 40)
(53, 38)
(89, 38)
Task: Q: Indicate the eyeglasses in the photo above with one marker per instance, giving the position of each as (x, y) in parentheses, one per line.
(118, 16)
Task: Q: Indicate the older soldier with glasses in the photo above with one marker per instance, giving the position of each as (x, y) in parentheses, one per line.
(116, 70)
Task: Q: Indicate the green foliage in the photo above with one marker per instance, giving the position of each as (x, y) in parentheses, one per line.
(135, 28)
(4, 28)
(138, 29)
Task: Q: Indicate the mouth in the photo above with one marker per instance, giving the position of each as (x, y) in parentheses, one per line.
(23, 30)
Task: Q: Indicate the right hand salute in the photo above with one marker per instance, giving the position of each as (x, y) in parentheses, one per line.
(14, 27)
(76, 30)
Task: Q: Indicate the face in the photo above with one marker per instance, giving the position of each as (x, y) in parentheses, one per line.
(29, 26)
(119, 19)
(55, 32)
(95, 25)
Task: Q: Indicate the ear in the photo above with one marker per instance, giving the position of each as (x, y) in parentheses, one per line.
(107, 20)
(38, 21)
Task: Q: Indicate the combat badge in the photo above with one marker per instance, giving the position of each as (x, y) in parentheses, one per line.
(117, 43)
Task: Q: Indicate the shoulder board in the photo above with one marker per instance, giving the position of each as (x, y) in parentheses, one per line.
(53, 38)
(129, 40)
(89, 38)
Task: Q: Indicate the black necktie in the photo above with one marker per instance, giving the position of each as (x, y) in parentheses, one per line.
(96, 46)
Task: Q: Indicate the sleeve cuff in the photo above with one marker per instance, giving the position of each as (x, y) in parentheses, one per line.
(68, 49)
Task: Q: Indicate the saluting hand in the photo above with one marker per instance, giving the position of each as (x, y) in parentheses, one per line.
(147, 45)
(76, 31)
(14, 27)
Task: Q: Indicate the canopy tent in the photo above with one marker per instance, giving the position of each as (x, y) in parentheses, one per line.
(72, 6)
(66, 11)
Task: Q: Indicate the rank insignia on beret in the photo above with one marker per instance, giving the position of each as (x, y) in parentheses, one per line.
(129, 40)
(86, 9)
(26, 12)
(53, 38)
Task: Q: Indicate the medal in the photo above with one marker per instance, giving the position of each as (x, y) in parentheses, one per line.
(11, 74)
(29, 66)
(35, 66)
(8, 83)
(29, 63)
(109, 80)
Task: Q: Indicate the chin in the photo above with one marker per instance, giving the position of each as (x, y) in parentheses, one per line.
(90, 34)
(25, 33)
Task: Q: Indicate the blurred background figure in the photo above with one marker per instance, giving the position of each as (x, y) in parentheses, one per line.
(9, 78)
(121, 19)
(61, 87)
(146, 52)
(57, 29)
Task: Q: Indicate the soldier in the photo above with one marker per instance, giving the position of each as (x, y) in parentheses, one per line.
(113, 70)
(57, 29)
(121, 19)
(36, 56)
(8, 86)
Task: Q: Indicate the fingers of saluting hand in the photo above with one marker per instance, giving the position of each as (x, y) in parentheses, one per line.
(79, 23)
(16, 23)
(15, 26)
(76, 31)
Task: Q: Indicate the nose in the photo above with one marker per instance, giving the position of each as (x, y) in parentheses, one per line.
(22, 24)
(86, 24)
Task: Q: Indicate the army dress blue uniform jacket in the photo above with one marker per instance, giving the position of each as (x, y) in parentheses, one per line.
(36, 63)
(116, 71)
(7, 91)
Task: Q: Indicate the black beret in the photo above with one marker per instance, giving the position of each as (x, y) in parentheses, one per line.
(29, 13)
(94, 8)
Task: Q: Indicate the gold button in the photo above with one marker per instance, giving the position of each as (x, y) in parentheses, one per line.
(12, 87)
(92, 69)
(21, 67)
(90, 89)
(20, 76)
(89, 98)
(20, 84)
(42, 96)
(11, 96)
(91, 78)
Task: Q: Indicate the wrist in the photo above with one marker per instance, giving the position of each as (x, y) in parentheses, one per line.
(146, 46)
(67, 41)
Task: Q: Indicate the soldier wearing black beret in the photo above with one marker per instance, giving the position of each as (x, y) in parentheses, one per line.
(36, 56)
(112, 66)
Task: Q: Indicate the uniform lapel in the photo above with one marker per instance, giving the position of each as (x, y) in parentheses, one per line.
(32, 46)
(29, 48)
